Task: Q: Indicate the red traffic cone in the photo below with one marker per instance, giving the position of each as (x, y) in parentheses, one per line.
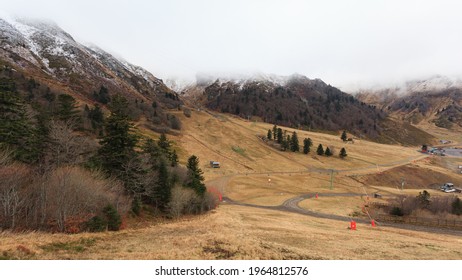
(373, 223)
(352, 225)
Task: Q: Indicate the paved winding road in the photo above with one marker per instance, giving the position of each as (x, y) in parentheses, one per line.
(292, 205)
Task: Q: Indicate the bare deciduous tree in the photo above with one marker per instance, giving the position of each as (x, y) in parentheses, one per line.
(66, 147)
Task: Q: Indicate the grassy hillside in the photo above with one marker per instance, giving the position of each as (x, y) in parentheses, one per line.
(237, 232)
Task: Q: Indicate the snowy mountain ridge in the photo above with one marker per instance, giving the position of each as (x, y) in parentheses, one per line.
(45, 45)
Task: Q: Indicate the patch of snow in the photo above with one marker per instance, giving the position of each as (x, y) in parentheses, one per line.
(27, 32)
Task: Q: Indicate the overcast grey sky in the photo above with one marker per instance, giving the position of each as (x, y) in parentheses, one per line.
(345, 43)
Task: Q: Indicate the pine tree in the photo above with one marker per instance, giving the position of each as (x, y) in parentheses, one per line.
(118, 144)
(320, 150)
(173, 159)
(195, 180)
(16, 131)
(285, 145)
(279, 136)
(328, 153)
(342, 153)
(102, 96)
(307, 143)
(96, 117)
(163, 188)
(275, 132)
(344, 136)
(68, 109)
(294, 144)
(113, 218)
(269, 134)
(163, 143)
(153, 151)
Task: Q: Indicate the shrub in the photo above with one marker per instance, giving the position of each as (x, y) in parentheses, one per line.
(136, 206)
(61, 200)
(343, 153)
(113, 218)
(187, 112)
(175, 123)
(396, 211)
(96, 224)
(457, 206)
(181, 201)
(186, 201)
(76, 192)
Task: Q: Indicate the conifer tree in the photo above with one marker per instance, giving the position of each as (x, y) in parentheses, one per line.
(173, 159)
(307, 143)
(269, 134)
(68, 109)
(320, 150)
(275, 132)
(294, 144)
(118, 144)
(154, 153)
(285, 145)
(96, 117)
(16, 131)
(342, 153)
(163, 143)
(279, 136)
(113, 218)
(163, 192)
(195, 180)
(328, 152)
(102, 96)
(344, 136)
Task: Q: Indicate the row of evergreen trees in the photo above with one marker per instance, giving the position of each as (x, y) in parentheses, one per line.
(291, 142)
(288, 142)
(328, 151)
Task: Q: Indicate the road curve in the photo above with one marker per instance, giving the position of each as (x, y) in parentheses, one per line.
(292, 205)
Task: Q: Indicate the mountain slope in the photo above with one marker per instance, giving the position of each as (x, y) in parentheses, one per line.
(47, 53)
(297, 101)
(437, 100)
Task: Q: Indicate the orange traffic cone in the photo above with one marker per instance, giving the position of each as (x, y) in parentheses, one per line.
(373, 223)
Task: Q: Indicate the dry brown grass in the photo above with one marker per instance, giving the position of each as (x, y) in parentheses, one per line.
(342, 206)
(214, 137)
(256, 189)
(236, 232)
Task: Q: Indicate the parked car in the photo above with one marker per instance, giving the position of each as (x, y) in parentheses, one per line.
(449, 190)
(447, 186)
